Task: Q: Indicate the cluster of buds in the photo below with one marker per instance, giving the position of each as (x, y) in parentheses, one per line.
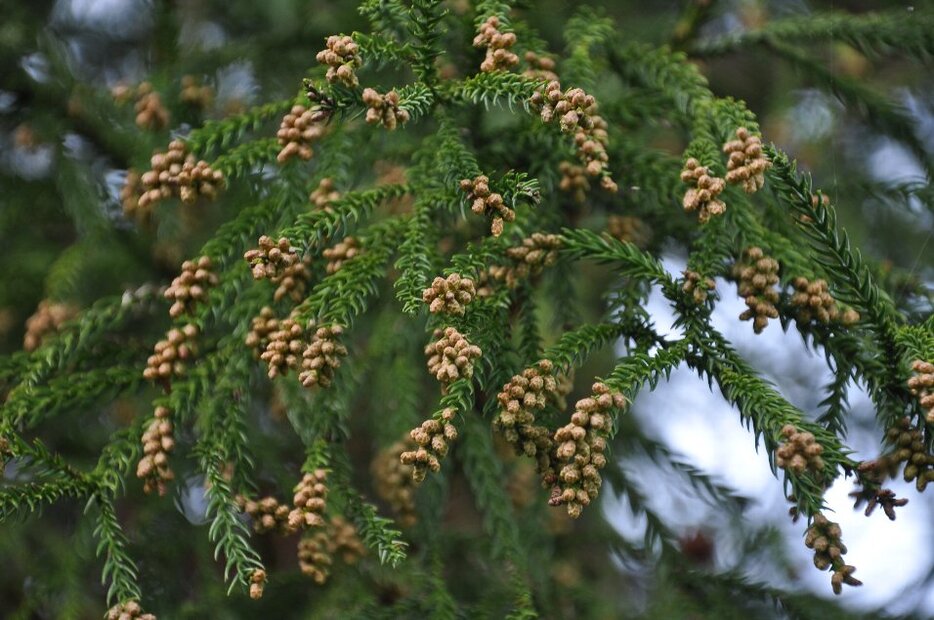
(629, 229)
(177, 173)
(342, 59)
(908, 441)
(451, 356)
(393, 481)
(540, 67)
(747, 163)
(169, 355)
(702, 195)
(342, 251)
(580, 448)
(317, 550)
(299, 129)
(151, 114)
(345, 540)
(497, 44)
(284, 348)
(322, 357)
(46, 320)
(191, 285)
(697, 286)
(309, 500)
(484, 202)
(757, 276)
(314, 556)
(577, 114)
(196, 94)
(824, 538)
(573, 181)
(520, 400)
(878, 497)
(431, 440)
(128, 610)
(267, 514)
(799, 452)
(280, 263)
(384, 109)
(449, 295)
(529, 259)
(261, 328)
(323, 195)
(812, 300)
(257, 583)
(921, 385)
(158, 441)
(130, 192)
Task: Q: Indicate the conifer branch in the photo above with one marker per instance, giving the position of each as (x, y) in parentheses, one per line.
(901, 32)
(879, 112)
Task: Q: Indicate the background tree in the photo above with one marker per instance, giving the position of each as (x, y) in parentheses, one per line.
(345, 309)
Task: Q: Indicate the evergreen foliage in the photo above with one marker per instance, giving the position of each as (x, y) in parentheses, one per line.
(550, 279)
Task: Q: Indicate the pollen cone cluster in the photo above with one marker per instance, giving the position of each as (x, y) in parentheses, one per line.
(747, 163)
(281, 264)
(314, 557)
(130, 192)
(268, 514)
(520, 401)
(573, 181)
(812, 300)
(151, 113)
(299, 129)
(316, 551)
(46, 320)
(757, 275)
(342, 58)
(340, 253)
(322, 357)
(310, 500)
(528, 259)
(384, 109)
(499, 57)
(908, 441)
(285, 347)
(698, 286)
(195, 93)
(449, 295)
(169, 355)
(576, 112)
(800, 452)
(484, 202)
(580, 447)
(128, 610)
(257, 583)
(629, 229)
(921, 385)
(191, 285)
(323, 195)
(158, 441)
(393, 481)
(702, 195)
(177, 173)
(540, 67)
(261, 328)
(431, 439)
(451, 356)
(824, 538)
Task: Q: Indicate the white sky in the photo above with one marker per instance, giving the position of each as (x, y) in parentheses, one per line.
(700, 425)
